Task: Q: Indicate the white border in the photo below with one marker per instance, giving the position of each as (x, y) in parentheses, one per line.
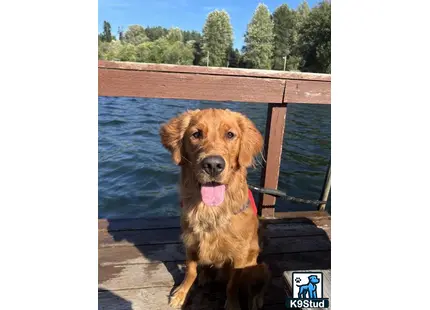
(48, 155)
(380, 153)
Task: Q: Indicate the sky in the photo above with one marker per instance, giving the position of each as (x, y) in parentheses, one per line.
(185, 14)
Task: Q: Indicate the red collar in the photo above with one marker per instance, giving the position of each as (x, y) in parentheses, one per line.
(251, 202)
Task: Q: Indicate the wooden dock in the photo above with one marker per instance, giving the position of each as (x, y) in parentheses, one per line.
(142, 260)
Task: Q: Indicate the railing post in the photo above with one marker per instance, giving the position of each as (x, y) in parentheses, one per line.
(326, 188)
(274, 137)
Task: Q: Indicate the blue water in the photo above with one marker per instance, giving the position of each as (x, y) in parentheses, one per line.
(137, 177)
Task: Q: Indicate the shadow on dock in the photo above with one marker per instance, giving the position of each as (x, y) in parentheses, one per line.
(115, 301)
(295, 243)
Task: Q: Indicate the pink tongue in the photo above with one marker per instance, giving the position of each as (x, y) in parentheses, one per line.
(213, 195)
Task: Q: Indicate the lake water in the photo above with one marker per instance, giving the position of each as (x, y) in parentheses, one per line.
(136, 176)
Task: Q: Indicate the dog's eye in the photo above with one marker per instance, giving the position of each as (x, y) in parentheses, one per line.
(230, 135)
(197, 134)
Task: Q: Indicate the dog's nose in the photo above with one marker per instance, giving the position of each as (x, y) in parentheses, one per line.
(213, 165)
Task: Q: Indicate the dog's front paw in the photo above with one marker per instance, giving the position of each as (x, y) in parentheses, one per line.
(232, 304)
(177, 298)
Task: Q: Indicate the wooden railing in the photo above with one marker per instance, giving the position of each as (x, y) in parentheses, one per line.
(274, 88)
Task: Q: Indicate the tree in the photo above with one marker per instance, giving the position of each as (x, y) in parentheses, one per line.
(143, 52)
(286, 34)
(155, 33)
(315, 39)
(179, 53)
(174, 35)
(217, 38)
(233, 58)
(127, 52)
(120, 34)
(194, 38)
(259, 39)
(103, 49)
(135, 35)
(106, 35)
(191, 36)
(113, 50)
(303, 11)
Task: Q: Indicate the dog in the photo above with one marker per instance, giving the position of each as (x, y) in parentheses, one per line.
(309, 289)
(214, 148)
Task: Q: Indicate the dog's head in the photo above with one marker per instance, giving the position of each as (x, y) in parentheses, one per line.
(314, 279)
(214, 144)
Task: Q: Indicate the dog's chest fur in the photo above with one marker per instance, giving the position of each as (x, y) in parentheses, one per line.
(215, 240)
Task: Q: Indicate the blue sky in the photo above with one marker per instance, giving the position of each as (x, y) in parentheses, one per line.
(185, 14)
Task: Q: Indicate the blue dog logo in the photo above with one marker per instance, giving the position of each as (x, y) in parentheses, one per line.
(309, 289)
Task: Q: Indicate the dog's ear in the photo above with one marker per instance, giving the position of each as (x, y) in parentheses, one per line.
(251, 141)
(172, 134)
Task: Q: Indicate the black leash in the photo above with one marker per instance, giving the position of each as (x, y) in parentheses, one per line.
(283, 195)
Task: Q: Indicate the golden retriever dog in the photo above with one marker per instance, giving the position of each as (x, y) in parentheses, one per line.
(214, 148)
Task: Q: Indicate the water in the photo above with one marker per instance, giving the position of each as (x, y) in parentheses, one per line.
(137, 177)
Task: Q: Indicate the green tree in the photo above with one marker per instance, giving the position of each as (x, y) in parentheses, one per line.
(174, 35)
(135, 35)
(303, 11)
(217, 38)
(103, 49)
(106, 35)
(155, 33)
(113, 50)
(286, 35)
(179, 53)
(315, 39)
(233, 58)
(120, 34)
(194, 38)
(259, 39)
(191, 36)
(127, 52)
(143, 52)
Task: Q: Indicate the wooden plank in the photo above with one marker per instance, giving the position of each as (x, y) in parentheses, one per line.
(210, 296)
(139, 237)
(115, 290)
(139, 299)
(120, 277)
(126, 83)
(214, 70)
(316, 92)
(139, 223)
(174, 221)
(287, 276)
(275, 127)
(175, 252)
(307, 214)
(278, 263)
(321, 219)
(283, 228)
(141, 254)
